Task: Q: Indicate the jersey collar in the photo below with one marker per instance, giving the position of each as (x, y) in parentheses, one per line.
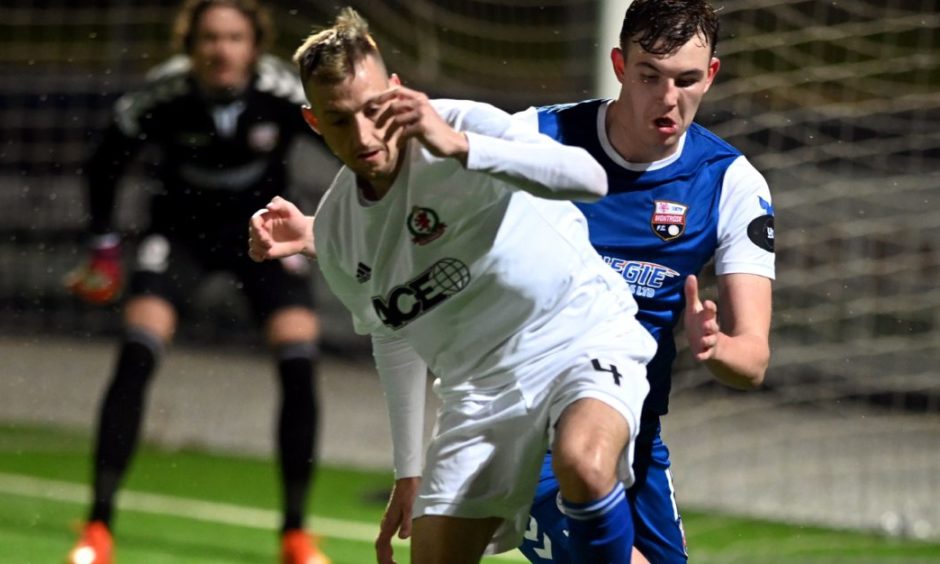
(619, 160)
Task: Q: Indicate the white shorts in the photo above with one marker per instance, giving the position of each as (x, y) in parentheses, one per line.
(488, 446)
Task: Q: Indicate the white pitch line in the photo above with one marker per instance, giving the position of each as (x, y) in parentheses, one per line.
(209, 511)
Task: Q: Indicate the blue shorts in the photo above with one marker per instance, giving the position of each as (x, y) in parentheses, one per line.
(657, 525)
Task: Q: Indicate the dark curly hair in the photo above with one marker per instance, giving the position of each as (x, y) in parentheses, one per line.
(662, 27)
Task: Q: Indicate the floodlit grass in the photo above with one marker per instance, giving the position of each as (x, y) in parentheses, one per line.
(199, 508)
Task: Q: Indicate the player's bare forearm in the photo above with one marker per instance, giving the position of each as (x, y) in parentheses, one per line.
(740, 361)
(736, 351)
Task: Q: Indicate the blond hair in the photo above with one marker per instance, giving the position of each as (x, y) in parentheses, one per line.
(329, 56)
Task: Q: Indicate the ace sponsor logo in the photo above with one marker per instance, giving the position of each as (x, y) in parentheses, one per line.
(408, 301)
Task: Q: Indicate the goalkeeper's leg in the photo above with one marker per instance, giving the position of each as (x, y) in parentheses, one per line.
(150, 323)
(292, 333)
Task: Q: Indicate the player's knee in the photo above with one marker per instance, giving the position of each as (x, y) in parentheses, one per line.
(152, 315)
(584, 472)
(290, 325)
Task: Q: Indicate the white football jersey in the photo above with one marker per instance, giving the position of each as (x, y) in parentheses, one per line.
(483, 279)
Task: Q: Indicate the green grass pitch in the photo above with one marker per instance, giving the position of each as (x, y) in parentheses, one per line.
(188, 507)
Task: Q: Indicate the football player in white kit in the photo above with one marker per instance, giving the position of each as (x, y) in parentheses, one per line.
(449, 237)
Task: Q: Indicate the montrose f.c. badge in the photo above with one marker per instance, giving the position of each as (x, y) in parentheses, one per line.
(668, 220)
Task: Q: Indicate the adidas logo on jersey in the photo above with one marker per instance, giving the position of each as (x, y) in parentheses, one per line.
(363, 273)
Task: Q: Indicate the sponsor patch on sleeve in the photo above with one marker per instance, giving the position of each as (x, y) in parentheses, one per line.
(761, 232)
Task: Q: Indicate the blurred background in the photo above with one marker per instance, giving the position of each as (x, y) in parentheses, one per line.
(836, 102)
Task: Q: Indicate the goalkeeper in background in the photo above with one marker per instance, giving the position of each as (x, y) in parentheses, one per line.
(223, 118)
(678, 196)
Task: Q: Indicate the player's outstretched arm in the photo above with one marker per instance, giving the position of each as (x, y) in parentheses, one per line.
(489, 140)
(736, 351)
(278, 230)
(513, 149)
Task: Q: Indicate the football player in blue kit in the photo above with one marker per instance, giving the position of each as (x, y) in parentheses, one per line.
(678, 196)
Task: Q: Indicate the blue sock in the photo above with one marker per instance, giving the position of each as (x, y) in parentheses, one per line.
(600, 531)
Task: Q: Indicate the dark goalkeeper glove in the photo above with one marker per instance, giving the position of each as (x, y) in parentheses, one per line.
(100, 279)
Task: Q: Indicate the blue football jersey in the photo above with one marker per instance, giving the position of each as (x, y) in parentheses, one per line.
(661, 222)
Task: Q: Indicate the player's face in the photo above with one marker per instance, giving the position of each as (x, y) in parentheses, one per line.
(345, 115)
(661, 94)
(223, 50)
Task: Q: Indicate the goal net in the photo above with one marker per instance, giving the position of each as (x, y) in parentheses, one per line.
(838, 104)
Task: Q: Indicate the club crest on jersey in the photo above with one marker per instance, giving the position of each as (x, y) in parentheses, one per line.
(668, 221)
(263, 136)
(424, 225)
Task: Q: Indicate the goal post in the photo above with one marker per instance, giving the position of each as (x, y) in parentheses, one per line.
(609, 21)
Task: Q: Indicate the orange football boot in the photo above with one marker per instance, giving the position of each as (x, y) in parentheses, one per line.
(298, 547)
(94, 546)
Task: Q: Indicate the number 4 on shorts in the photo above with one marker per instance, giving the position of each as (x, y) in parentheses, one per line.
(612, 369)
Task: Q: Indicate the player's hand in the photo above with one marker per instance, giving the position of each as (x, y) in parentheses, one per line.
(397, 518)
(701, 322)
(100, 279)
(279, 230)
(407, 113)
